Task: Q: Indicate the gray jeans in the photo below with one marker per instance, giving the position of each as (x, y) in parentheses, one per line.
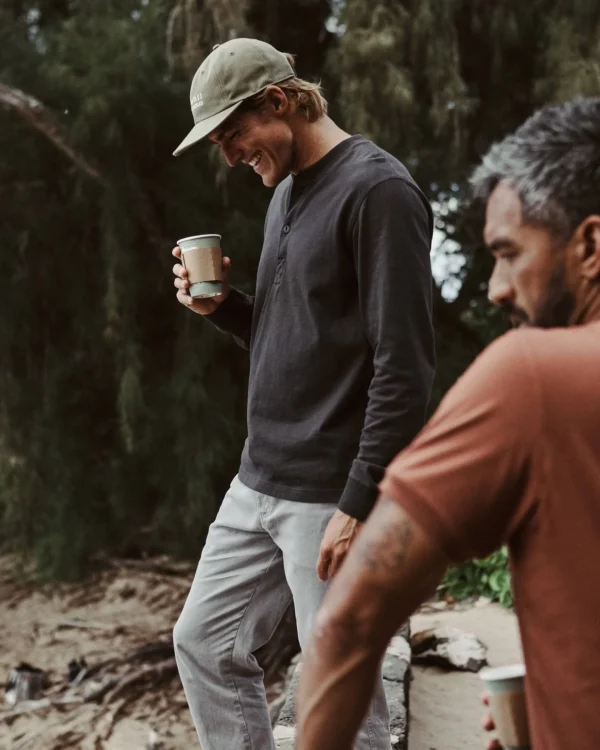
(260, 554)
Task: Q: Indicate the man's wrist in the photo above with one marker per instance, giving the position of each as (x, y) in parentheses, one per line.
(357, 499)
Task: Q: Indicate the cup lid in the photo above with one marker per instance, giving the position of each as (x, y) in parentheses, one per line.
(198, 237)
(509, 672)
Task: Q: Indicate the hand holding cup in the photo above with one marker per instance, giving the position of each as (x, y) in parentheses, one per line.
(505, 696)
(489, 726)
(202, 306)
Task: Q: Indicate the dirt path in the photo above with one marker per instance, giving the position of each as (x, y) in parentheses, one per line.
(127, 607)
(445, 707)
(120, 610)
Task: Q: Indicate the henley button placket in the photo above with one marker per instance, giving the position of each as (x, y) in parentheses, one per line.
(281, 255)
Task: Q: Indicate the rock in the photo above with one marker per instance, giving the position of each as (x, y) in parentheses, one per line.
(287, 716)
(284, 737)
(396, 680)
(400, 648)
(449, 648)
(276, 705)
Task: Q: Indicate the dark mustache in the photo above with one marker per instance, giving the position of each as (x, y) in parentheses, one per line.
(515, 313)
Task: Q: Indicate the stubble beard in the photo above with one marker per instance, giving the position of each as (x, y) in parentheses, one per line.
(556, 308)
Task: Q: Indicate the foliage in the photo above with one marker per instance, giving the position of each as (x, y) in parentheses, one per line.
(489, 577)
(121, 414)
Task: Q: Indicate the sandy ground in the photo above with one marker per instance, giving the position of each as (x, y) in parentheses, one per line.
(124, 608)
(118, 610)
(445, 707)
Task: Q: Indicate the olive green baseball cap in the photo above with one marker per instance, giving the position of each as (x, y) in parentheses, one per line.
(234, 71)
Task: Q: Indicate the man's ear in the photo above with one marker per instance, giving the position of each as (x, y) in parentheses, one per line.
(278, 101)
(588, 236)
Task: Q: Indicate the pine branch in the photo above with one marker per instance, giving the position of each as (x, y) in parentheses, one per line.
(34, 113)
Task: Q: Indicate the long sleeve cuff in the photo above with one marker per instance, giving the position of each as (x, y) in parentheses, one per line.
(358, 499)
(234, 315)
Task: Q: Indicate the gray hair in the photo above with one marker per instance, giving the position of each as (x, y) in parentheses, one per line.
(553, 162)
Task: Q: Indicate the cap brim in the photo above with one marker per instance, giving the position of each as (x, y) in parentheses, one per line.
(204, 128)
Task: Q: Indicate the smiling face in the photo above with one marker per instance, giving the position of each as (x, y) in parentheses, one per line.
(532, 277)
(263, 139)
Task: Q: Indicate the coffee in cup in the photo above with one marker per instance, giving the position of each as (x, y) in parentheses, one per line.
(201, 257)
(506, 693)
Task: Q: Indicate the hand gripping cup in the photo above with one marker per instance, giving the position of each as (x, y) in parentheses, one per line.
(201, 257)
(505, 689)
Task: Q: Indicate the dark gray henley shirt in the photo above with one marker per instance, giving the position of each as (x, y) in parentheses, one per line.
(339, 331)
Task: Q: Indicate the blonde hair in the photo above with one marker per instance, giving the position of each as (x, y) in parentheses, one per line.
(307, 96)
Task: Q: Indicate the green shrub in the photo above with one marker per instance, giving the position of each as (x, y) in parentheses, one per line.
(489, 577)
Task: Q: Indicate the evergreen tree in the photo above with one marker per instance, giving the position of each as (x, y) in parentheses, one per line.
(436, 82)
(122, 416)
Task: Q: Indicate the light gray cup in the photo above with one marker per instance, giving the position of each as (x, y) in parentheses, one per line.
(201, 257)
(505, 687)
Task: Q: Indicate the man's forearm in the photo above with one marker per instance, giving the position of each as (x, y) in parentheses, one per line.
(391, 568)
(338, 679)
(392, 421)
(234, 316)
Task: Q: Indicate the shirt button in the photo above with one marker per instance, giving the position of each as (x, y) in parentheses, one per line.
(286, 228)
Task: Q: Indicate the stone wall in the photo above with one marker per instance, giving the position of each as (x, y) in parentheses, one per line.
(396, 677)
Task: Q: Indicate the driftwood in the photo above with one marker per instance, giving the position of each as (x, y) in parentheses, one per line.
(86, 625)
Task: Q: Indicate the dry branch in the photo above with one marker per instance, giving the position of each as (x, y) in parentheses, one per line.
(25, 707)
(160, 671)
(33, 112)
(98, 692)
(159, 567)
(104, 731)
(86, 625)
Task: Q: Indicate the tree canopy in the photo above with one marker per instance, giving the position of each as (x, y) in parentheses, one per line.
(122, 416)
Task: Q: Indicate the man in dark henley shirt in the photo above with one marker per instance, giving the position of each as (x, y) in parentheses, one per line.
(342, 361)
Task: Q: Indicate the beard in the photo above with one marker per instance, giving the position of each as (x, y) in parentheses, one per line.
(554, 309)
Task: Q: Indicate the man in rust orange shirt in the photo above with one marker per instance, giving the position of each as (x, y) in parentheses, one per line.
(512, 456)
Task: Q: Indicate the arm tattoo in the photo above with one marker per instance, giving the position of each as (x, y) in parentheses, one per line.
(385, 544)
